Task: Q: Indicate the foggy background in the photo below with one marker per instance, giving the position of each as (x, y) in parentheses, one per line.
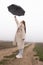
(33, 18)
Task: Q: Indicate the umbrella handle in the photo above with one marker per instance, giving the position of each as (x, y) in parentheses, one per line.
(17, 22)
(15, 16)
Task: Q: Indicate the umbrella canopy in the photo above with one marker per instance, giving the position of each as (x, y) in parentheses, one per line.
(16, 10)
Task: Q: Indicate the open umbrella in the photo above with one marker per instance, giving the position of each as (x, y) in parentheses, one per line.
(16, 10)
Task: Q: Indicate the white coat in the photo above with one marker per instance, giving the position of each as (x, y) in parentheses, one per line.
(20, 36)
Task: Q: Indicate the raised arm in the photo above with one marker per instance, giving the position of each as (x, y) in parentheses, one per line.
(17, 22)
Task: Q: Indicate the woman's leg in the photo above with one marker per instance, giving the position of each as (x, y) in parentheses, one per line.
(21, 51)
(20, 48)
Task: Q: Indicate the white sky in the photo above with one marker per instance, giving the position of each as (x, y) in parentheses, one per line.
(33, 17)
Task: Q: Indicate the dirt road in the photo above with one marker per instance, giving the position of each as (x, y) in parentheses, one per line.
(8, 51)
(27, 58)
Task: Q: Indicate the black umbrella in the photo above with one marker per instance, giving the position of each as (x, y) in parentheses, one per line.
(16, 10)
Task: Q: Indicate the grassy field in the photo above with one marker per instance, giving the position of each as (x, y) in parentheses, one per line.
(39, 50)
(6, 44)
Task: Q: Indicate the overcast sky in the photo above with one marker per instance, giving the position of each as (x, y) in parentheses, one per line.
(33, 17)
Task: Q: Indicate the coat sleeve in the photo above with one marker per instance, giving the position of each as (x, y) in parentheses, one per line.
(17, 22)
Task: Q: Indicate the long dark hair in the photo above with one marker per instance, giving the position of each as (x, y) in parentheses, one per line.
(24, 25)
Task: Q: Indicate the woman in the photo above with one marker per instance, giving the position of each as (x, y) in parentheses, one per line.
(20, 36)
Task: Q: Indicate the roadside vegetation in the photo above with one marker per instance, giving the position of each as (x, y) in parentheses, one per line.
(39, 51)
